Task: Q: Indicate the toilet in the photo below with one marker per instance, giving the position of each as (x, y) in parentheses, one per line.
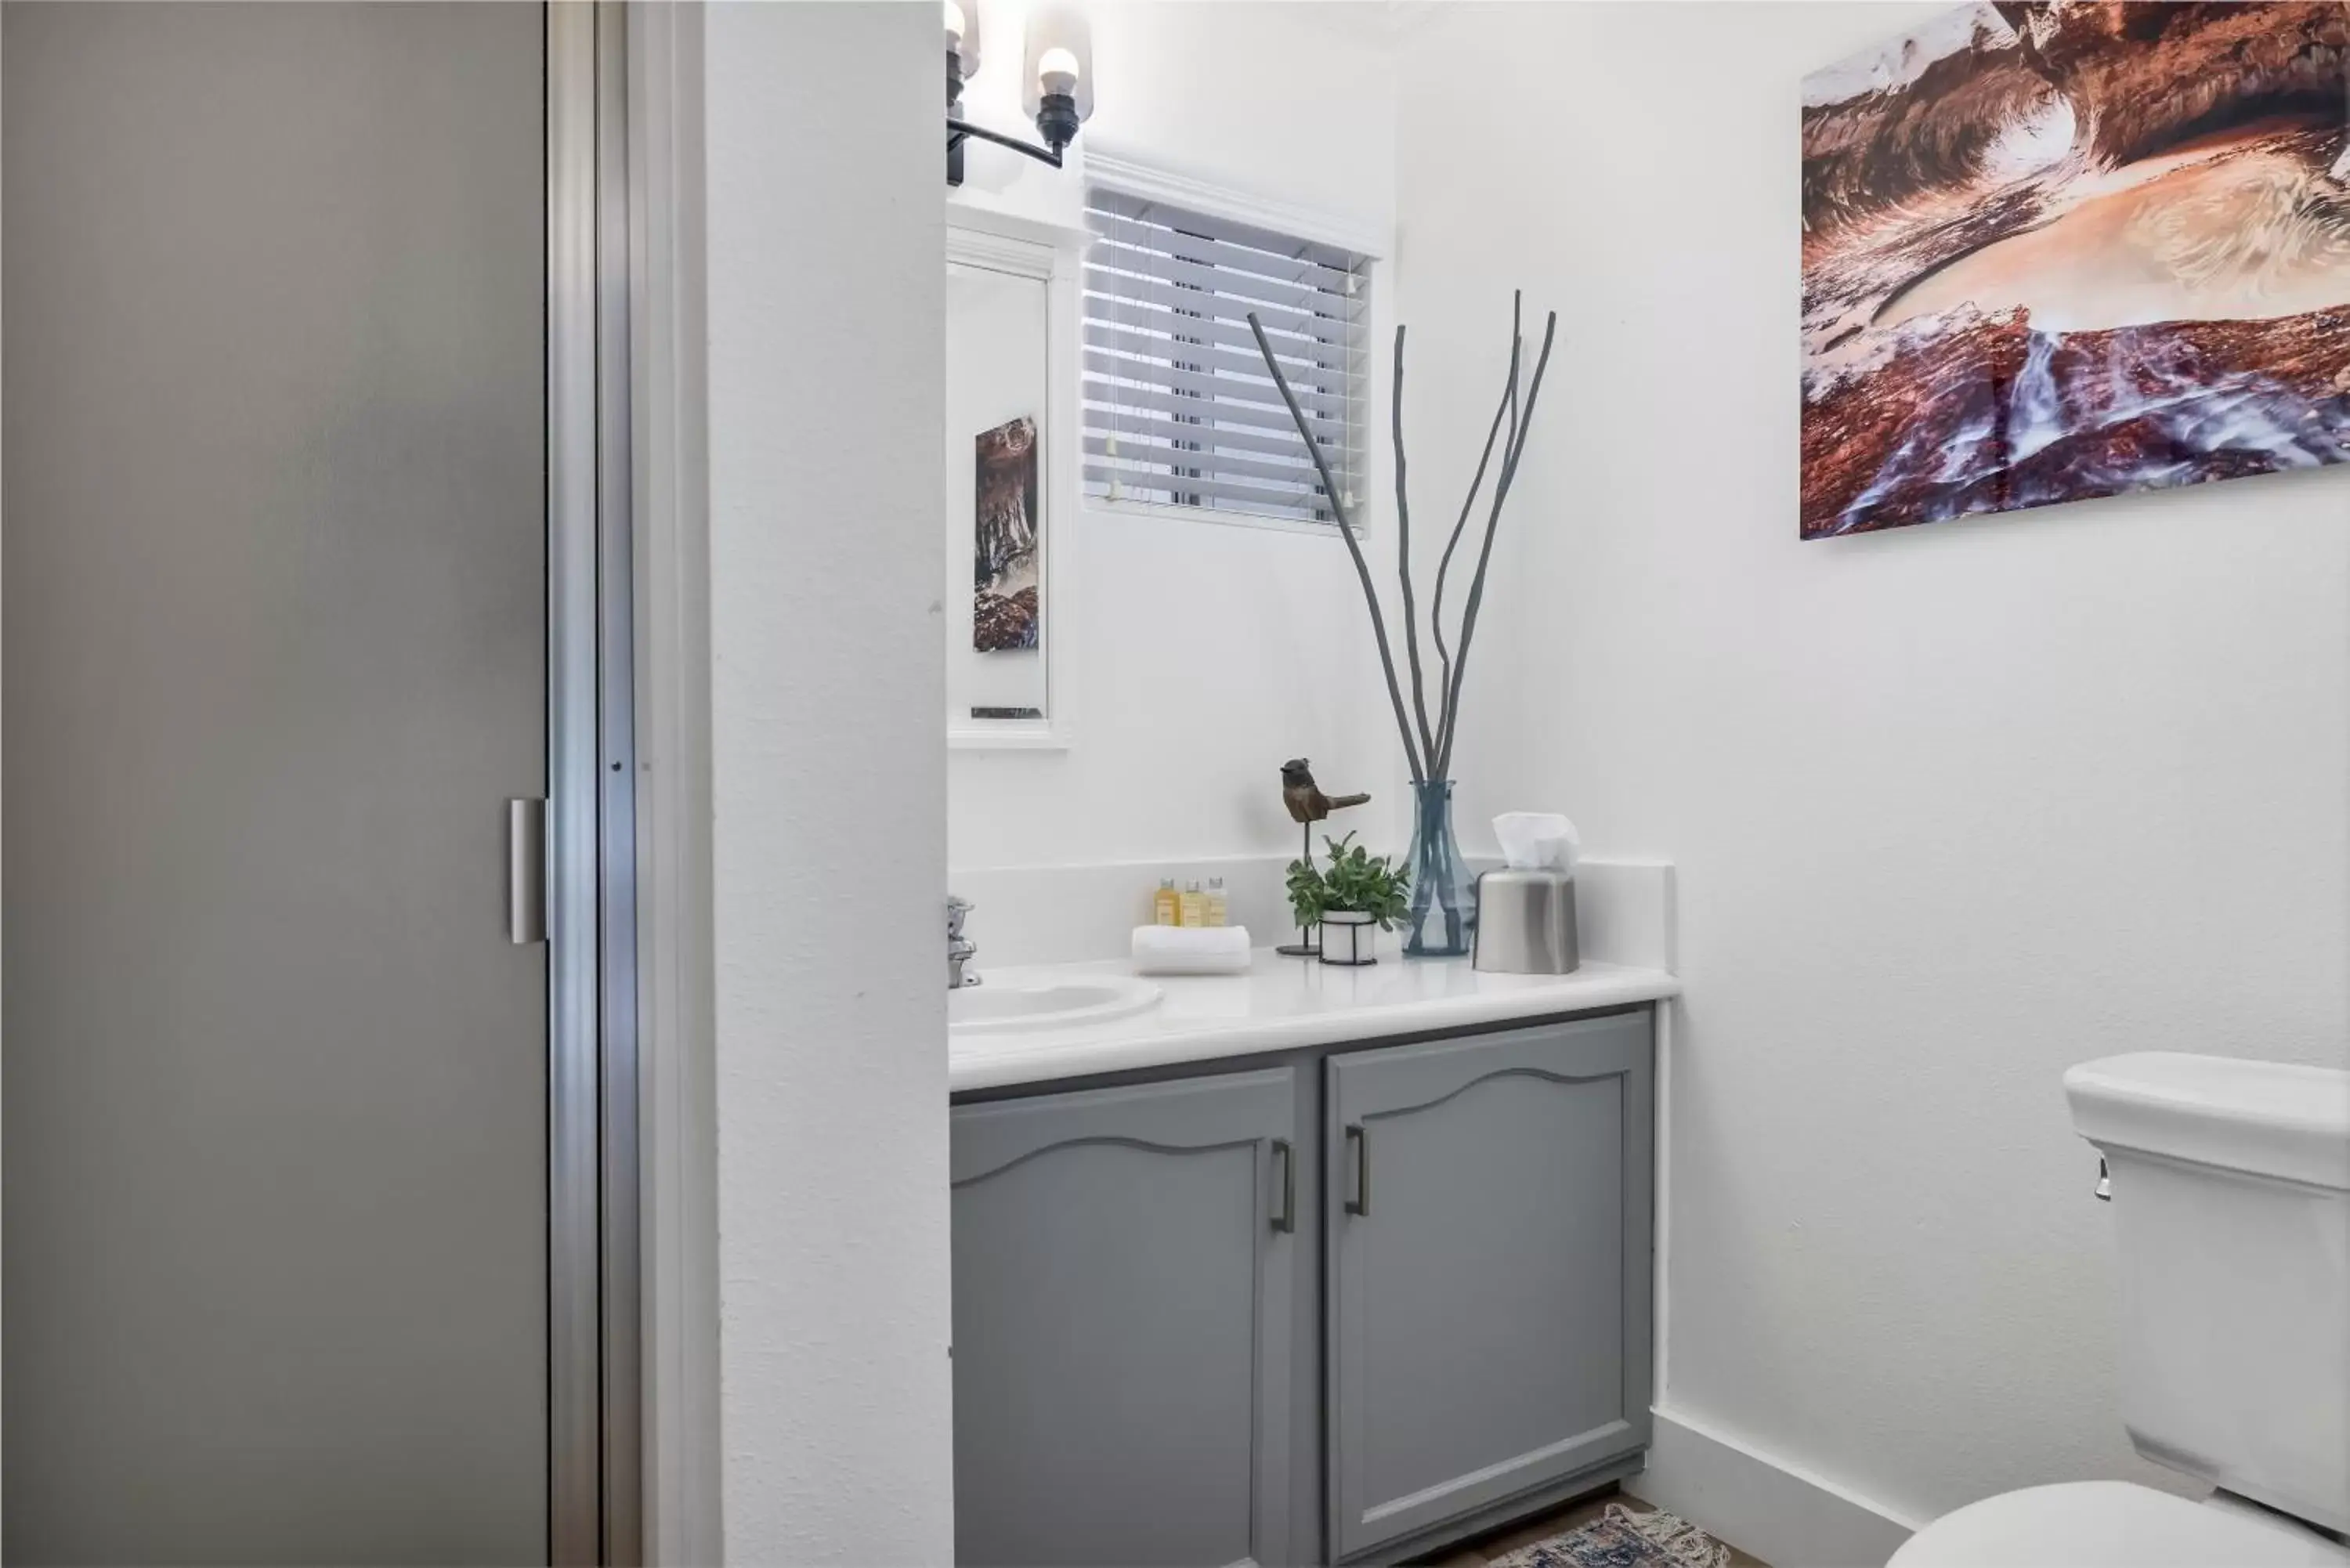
(2230, 1188)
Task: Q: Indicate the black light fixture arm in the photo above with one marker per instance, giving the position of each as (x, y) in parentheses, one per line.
(957, 130)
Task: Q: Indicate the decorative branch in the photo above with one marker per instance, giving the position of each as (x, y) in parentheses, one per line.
(1517, 356)
(1403, 562)
(1477, 482)
(1510, 408)
(1354, 549)
(1477, 584)
(1430, 754)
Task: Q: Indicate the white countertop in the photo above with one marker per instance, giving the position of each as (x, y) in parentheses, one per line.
(1280, 1004)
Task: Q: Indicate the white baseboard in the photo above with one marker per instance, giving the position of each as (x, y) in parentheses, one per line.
(1765, 1506)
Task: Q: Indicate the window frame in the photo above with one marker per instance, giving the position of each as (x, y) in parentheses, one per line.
(1372, 242)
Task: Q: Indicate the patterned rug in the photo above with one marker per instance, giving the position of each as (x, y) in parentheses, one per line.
(1623, 1539)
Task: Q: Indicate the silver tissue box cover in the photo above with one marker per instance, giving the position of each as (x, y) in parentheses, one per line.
(1525, 923)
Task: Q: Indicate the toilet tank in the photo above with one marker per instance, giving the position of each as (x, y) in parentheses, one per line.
(2232, 1216)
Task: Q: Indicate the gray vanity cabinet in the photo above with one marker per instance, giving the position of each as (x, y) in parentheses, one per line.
(1131, 1285)
(1488, 1272)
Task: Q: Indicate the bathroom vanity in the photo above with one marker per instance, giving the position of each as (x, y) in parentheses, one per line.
(1308, 1265)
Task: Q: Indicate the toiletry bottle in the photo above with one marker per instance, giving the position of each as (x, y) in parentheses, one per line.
(1217, 910)
(1166, 909)
(1194, 906)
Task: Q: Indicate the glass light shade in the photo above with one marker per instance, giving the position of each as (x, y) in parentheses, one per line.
(1058, 40)
(963, 34)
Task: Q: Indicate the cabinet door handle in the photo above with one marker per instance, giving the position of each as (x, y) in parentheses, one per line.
(1284, 1219)
(1360, 1142)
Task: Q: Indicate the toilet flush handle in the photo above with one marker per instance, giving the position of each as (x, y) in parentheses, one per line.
(2104, 1191)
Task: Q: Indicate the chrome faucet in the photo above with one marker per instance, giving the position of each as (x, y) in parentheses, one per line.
(961, 950)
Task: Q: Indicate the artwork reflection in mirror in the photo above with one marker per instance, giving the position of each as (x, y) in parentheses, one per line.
(1005, 609)
(2059, 251)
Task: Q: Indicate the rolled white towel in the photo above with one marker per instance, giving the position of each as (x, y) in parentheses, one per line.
(1190, 950)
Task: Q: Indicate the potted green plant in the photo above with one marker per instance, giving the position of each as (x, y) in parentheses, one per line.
(1355, 894)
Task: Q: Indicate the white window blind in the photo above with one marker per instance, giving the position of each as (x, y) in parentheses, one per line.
(1179, 410)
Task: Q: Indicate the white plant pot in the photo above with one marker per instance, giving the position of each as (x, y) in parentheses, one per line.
(1349, 939)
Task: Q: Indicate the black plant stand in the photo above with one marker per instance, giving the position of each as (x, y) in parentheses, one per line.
(1304, 946)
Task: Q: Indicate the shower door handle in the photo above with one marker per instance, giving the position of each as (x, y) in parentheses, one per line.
(525, 871)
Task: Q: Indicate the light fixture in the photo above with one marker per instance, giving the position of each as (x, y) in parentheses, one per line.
(1056, 92)
(963, 45)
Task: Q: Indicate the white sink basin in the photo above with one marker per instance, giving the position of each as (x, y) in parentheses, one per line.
(1000, 1003)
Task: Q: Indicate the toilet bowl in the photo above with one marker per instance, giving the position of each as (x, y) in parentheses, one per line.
(2114, 1524)
(2230, 1188)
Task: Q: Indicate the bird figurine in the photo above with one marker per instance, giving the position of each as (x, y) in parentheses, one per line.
(1303, 798)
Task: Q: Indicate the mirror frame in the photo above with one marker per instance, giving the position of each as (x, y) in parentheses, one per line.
(1051, 253)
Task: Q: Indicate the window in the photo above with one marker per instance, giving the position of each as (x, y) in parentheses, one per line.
(1179, 410)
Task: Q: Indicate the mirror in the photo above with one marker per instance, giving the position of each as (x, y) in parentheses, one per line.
(1006, 577)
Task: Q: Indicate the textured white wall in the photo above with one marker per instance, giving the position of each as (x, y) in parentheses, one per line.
(1953, 806)
(1207, 655)
(826, 285)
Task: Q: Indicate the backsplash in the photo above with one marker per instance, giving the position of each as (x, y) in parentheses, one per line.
(1060, 914)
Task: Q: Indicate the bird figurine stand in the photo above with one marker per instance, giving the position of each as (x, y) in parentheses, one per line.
(1304, 946)
(1306, 806)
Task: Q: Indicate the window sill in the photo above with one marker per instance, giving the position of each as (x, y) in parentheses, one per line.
(1014, 736)
(1157, 513)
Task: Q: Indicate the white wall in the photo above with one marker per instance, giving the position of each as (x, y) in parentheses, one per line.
(1953, 806)
(824, 294)
(1206, 654)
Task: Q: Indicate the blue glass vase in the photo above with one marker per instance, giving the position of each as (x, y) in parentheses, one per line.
(1443, 898)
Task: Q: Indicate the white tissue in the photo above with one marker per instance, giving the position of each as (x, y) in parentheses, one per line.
(1538, 841)
(1190, 950)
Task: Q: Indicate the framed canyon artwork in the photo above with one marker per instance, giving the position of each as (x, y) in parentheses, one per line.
(1005, 611)
(2054, 251)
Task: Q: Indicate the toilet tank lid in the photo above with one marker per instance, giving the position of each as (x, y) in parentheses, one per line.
(2270, 1119)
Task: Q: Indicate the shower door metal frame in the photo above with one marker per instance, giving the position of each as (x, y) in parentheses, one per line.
(594, 1390)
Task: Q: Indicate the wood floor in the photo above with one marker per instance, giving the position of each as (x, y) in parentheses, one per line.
(1485, 1549)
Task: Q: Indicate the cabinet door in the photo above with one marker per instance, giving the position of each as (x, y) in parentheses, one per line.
(1126, 1263)
(1489, 1242)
